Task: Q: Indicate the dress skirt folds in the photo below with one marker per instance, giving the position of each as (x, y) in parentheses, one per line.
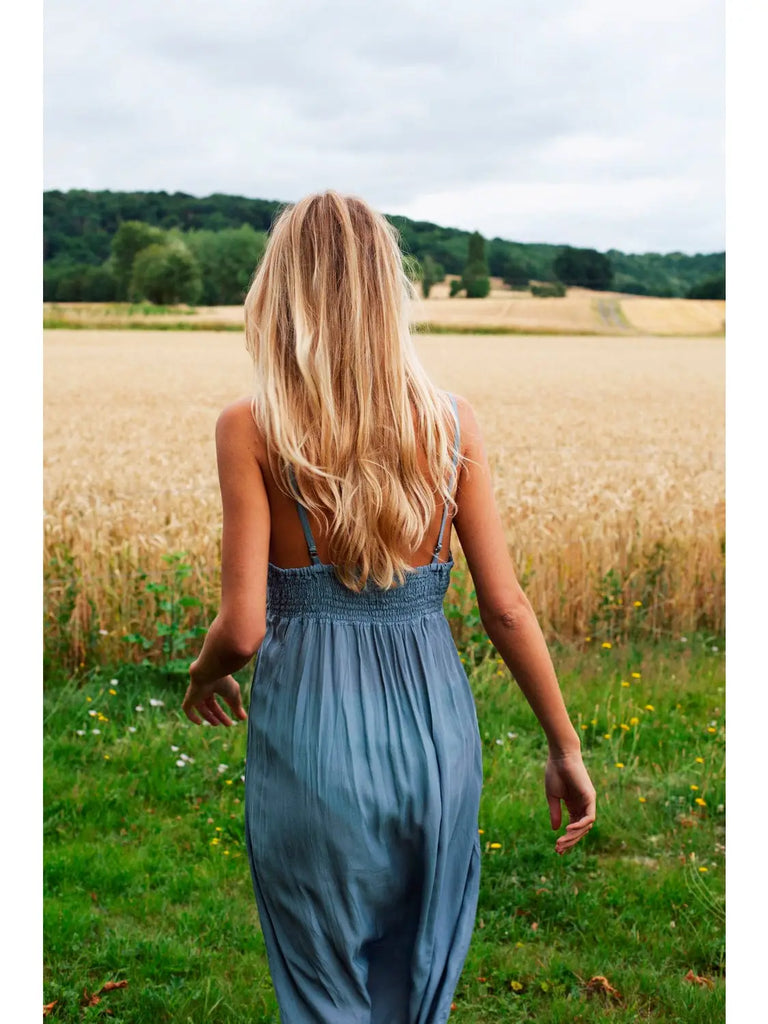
(362, 788)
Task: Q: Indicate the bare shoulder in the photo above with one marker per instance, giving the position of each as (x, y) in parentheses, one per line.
(471, 437)
(236, 425)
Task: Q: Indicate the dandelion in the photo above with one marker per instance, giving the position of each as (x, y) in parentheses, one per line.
(607, 736)
(219, 828)
(107, 757)
(641, 799)
(711, 730)
(702, 869)
(228, 782)
(699, 760)
(607, 645)
(495, 846)
(593, 721)
(583, 725)
(113, 692)
(587, 639)
(139, 707)
(89, 698)
(225, 852)
(694, 787)
(619, 764)
(635, 675)
(515, 985)
(634, 720)
(649, 707)
(624, 682)
(481, 831)
(215, 841)
(700, 802)
(156, 703)
(624, 726)
(638, 604)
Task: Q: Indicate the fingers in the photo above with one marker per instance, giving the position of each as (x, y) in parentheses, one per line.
(555, 812)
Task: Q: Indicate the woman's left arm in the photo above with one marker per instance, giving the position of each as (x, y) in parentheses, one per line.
(237, 631)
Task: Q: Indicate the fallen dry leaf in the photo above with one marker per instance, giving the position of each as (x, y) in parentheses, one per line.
(599, 985)
(534, 926)
(698, 979)
(47, 1007)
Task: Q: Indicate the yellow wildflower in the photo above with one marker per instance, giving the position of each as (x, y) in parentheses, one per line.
(624, 682)
(593, 721)
(89, 698)
(624, 726)
(694, 787)
(634, 720)
(583, 726)
(113, 692)
(703, 869)
(481, 831)
(641, 799)
(711, 729)
(699, 760)
(700, 802)
(607, 645)
(106, 757)
(638, 604)
(649, 707)
(619, 764)
(607, 735)
(635, 675)
(495, 846)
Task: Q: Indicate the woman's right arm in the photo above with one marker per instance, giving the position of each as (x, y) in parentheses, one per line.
(512, 627)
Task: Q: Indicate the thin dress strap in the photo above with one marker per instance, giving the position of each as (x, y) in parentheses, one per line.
(453, 479)
(305, 523)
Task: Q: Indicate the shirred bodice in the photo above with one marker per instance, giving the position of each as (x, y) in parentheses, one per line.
(314, 590)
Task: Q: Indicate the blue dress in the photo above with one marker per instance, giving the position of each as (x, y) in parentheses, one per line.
(362, 789)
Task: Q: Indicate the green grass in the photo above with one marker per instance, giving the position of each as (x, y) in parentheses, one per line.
(138, 890)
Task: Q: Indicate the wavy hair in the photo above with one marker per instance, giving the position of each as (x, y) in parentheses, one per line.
(339, 392)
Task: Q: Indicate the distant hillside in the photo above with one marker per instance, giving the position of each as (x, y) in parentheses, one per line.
(78, 227)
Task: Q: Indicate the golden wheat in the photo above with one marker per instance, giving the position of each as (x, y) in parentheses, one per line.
(607, 456)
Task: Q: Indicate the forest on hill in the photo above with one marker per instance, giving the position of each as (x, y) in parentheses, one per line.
(104, 246)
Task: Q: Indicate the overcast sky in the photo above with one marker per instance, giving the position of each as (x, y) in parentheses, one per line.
(592, 122)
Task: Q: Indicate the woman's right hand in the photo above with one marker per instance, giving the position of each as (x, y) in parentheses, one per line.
(567, 779)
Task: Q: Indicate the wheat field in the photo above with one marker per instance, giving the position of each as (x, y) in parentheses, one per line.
(581, 311)
(607, 453)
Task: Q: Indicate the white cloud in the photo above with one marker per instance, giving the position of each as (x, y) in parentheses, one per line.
(465, 110)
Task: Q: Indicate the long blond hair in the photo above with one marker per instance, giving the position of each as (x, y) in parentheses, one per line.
(336, 375)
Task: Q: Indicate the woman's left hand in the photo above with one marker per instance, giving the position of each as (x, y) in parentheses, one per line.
(200, 699)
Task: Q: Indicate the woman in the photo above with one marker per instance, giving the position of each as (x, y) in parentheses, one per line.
(341, 481)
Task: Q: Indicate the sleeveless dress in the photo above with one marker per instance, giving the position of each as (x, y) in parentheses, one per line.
(362, 789)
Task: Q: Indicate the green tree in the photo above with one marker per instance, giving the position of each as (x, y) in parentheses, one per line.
(475, 279)
(227, 261)
(516, 273)
(432, 272)
(128, 241)
(585, 268)
(165, 273)
(709, 288)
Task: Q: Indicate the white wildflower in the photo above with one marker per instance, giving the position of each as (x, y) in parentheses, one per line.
(156, 703)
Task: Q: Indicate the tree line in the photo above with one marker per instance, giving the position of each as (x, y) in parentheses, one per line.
(107, 246)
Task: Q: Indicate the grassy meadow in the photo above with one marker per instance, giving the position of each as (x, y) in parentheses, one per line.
(148, 898)
(607, 451)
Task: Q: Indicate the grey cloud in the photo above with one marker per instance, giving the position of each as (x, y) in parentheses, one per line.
(394, 102)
